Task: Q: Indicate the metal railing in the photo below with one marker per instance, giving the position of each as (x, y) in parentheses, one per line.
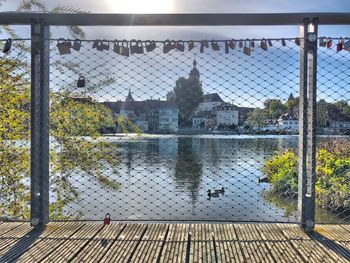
(84, 94)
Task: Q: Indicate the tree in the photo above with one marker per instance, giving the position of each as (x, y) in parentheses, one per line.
(322, 114)
(188, 95)
(291, 104)
(274, 108)
(257, 118)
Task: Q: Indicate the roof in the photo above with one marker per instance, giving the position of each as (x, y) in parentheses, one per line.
(289, 116)
(211, 97)
(226, 106)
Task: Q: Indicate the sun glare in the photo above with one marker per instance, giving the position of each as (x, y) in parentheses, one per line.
(141, 6)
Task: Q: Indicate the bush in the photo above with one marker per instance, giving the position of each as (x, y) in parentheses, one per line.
(332, 174)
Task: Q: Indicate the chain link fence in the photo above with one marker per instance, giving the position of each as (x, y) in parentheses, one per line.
(179, 131)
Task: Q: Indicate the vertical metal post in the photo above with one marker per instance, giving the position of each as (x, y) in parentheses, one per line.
(307, 125)
(40, 50)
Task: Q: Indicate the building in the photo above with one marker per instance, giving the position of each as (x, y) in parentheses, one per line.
(339, 126)
(226, 114)
(289, 121)
(148, 115)
(202, 120)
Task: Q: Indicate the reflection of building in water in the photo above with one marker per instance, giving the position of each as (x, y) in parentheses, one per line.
(149, 115)
(168, 146)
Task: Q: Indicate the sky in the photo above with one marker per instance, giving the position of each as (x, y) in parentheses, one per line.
(237, 69)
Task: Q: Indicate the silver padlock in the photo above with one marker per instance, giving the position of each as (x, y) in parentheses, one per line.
(76, 44)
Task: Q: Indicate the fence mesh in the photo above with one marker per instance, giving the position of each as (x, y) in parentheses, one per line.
(15, 130)
(208, 133)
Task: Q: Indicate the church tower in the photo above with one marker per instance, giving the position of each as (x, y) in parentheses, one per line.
(194, 74)
(129, 97)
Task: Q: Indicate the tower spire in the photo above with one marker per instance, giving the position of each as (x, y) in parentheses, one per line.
(194, 74)
(129, 97)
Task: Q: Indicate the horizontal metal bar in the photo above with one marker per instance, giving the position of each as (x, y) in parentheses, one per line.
(15, 18)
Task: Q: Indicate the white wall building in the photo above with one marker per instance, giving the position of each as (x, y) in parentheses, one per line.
(226, 115)
(169, 119)
(289, 122)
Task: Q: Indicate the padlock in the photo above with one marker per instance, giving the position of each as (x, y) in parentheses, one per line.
(340, 45)
(297, 41)
(77, 44)
(180, 46)
(124, 49)
(107, 219)
(252, 43)
(63, 47)
(283, 42)
(346, 45)
(136, 47)
(263, 44)
(104, 45)
(246, 50)
(150, 45)
(99, 46)
(322, 42)
(190, 45)
(95, 43)
(270, 42)
(116, 47)
(204, 43)
(168, 45)
(139, 49)
(329, 43)
(215, 45)
(7, 46)
(232, 44)
(81, 82)
(227, 46)
(240, 44)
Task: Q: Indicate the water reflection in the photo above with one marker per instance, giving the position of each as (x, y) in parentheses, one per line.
(188, 168)
(167, 177)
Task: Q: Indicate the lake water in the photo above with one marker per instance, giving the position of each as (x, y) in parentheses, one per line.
(166, 177)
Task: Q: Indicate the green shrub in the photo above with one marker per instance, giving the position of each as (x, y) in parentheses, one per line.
(332, 174)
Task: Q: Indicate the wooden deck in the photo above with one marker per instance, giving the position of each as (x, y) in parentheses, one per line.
(136, 242)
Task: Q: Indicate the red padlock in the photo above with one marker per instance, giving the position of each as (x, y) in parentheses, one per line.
(340, 45)
(329, 43)
(107, 219)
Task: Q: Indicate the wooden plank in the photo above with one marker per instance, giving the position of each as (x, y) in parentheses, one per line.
(176, 243)
(74, 243)
(202, 245)
(227, 244)
(277, 243)
(100, 244)
(51, 242)
(124, 246)
(6, 227)
(253, 249)
(12, 236)
(310, 249)
(27, 241)
(150, 244)
(334, 232)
